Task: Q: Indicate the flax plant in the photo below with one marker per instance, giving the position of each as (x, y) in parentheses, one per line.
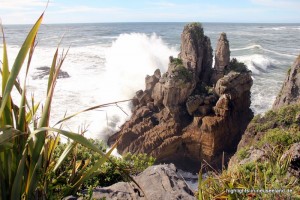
(27, 143)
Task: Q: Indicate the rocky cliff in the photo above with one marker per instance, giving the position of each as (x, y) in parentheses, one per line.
(193, 111)
(277, 132)
(290, 91)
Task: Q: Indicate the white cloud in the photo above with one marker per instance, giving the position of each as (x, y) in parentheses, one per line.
(21, 4)
(290, 4)
(85, 9)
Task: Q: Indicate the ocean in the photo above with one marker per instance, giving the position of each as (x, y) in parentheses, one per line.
(108, 62)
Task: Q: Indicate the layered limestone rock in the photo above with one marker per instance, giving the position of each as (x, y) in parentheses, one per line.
(290, 91)
(181, 117)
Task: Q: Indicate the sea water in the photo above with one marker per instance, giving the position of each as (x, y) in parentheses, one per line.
(108, 62)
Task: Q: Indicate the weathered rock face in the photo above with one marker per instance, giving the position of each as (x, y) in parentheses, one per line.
(290, 91)
(196, 51)
(222, 58)
(222, 53)
(181, 117)
(156, 182)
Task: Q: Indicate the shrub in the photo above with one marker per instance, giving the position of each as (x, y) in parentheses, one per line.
(82, 159)
(183, 73)
(235, 65)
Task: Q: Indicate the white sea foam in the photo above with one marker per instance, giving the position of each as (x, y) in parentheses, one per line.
(257, 46)
(254, 46)
(256, 62)
(99, 75)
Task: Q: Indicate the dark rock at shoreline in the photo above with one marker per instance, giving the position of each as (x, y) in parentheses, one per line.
(44, 71)
(290, 91)
(183, 117)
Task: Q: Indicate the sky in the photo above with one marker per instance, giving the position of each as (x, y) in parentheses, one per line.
(93, 11)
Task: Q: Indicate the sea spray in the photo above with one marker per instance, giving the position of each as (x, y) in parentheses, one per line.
(98, 75)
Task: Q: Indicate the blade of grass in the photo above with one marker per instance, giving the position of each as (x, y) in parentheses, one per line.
(19, 62)
(88, 174)
(65, 153)
(7, 115)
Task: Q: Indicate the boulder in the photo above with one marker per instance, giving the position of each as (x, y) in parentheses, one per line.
(290, 91)
(156, 182)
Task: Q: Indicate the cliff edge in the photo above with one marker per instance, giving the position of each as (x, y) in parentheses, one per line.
(290, 91)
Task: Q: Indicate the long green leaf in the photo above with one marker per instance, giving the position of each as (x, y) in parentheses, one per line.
(73, 136)
(91, 108)
(52, 70)
(7, 117)
(22, 112)
(63, 156)
(17, 184)
(19, 62)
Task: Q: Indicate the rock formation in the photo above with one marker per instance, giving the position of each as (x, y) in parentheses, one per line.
(290, 91)
(156, 182)
(222, 58)
(183, 116)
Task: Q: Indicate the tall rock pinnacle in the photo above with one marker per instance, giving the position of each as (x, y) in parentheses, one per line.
(196, 51)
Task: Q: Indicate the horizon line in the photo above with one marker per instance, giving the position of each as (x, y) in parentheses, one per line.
(64, 23)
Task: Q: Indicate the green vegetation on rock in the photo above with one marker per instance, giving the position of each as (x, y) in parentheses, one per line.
(235, 65)
(197, 29)
(275, 132)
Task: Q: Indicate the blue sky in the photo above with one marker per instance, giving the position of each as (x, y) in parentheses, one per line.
(90, 11)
